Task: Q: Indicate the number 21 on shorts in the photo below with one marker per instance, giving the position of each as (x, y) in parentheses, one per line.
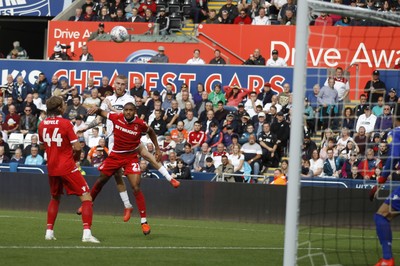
(135, 167)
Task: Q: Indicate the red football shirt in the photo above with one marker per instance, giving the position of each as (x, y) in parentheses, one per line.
(127, 135)
(57, 135)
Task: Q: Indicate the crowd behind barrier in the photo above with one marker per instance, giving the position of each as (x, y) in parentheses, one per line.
(228, 130)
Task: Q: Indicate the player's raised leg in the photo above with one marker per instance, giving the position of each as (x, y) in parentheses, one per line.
(157, 165)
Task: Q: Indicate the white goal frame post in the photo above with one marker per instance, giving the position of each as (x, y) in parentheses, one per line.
(299, 85)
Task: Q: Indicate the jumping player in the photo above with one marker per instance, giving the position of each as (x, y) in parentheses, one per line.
(56, 135)
(385, 213)
(128, 130)
(115, 103)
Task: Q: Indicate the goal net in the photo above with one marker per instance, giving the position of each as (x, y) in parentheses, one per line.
(335, 223)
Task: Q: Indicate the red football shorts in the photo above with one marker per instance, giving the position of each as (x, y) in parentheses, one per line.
(74, 184)
(115, 161)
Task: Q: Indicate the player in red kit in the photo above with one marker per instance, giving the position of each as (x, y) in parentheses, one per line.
(115, 103)
(128, 129)
(57, 136)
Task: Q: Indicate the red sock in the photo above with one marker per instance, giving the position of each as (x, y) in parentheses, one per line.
(52, 211)
(96, 189)
(87, 214)
(141, 204)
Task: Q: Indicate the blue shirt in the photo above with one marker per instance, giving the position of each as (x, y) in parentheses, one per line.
(38, 160)
(393, 140)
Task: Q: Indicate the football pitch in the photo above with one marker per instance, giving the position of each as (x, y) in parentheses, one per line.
(175, 242)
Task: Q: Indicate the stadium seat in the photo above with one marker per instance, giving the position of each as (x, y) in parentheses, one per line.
(186, 8)
(16, 140)
(27, 139)
(175, 22)
(274, 19)
(174, 6)
(160, 4)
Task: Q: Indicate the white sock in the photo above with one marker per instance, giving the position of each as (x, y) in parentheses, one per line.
(49, 232)
(143, 220)
(125, 199)
(87, 233)
(165, 173)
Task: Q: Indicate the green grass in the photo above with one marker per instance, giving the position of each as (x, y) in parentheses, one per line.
(171, 242)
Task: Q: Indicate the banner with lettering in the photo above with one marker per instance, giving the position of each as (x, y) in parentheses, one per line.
(156, 76)
(33, 8)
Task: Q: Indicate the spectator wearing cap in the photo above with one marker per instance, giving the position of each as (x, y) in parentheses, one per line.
(309, 146)
(224, 18)
(241, 111)
(245, 121)
(384, 122)
(214, 136)
(216, 96)
(160, 57)
(59, 54)
(230, 9)
(217, 60)
(231, 121)
(374, 88)
(196, 60)
(100, 31)
(167, 96)
(155, 96)
(282, 131)
(259, 124)
(163, 21)
(266, 94)
(242, 18)
(261, 19)
(391, 98)
(251, 104)
(77, 16)
(327, 100)
(275, 60)
(367, 120)
(259, 109)
(235, 95)
(255, 59)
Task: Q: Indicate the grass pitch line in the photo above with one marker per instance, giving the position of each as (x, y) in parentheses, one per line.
(140, 248)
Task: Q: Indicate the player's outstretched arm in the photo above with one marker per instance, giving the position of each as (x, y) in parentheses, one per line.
(98, 111)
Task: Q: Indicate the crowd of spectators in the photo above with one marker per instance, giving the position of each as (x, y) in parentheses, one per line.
(354, 143)
(253, 12)
(196, 128)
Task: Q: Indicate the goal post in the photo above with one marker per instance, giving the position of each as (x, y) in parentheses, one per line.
(296, 139)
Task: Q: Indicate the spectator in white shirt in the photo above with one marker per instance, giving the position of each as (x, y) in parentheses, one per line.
(275, 60)
(196, 60)
(367, 120)
(261, 19)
